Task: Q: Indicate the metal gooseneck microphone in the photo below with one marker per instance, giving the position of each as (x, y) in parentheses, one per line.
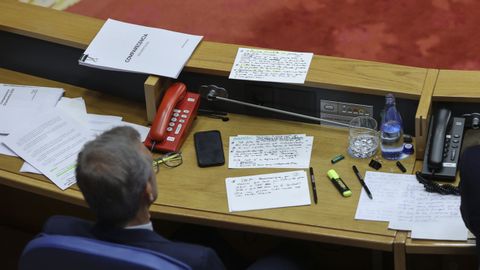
(213, 93)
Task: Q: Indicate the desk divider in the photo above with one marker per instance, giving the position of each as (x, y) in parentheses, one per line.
(154, 88)
(423, 113)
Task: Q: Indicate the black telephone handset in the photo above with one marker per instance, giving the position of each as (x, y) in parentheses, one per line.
(440, 123)
(444, 141)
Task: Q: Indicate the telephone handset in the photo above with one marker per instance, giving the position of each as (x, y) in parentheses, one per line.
(174, 117)
(440, 123)
(444, 141)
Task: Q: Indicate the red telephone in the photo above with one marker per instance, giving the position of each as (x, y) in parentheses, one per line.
(174, 117)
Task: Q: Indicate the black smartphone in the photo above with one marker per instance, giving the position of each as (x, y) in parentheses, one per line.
(209, 148)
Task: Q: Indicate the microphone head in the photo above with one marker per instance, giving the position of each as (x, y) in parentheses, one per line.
(211, 92)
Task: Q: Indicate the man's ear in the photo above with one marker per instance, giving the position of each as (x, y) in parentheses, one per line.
(149, 192)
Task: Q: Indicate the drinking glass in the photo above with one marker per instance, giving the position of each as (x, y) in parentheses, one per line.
(363, 137)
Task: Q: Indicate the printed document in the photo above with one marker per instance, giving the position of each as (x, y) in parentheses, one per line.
(267, 191)
(19, 102)
(270, 151)
(401, 200)
(128, 47)
(50, 143)
(271, 66)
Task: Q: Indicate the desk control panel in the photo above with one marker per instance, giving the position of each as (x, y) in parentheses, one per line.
(342, 111)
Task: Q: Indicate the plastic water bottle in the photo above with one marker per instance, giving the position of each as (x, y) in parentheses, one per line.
(391, 130)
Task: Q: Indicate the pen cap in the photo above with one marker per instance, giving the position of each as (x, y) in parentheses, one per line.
(332, 174)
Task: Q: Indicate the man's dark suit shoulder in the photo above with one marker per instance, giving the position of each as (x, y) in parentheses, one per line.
(196, 256)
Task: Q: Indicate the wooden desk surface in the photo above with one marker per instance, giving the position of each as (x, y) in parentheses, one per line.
(457, 86)
(194, 194)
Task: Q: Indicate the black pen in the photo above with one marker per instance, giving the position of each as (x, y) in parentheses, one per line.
(314, 188)
(357, 173)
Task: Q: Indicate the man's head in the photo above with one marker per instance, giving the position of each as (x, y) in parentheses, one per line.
(114, 173)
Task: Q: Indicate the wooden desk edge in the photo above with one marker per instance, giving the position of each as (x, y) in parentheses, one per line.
(297, 231)
(413, 246)
(312, 233)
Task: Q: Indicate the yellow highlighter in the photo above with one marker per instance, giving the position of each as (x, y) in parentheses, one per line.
(339, 184)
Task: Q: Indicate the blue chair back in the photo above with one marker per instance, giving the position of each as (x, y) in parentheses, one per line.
(72, 252)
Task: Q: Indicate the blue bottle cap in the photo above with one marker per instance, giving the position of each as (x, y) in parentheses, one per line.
(408, 149)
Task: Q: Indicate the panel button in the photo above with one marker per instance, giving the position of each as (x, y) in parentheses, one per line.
(173, 119)
(179, 127)
(171, 124)
(169, 129)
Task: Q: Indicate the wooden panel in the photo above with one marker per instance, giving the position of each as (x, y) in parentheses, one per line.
(217, 58)
(458, 86)
(399, 256)
(422, 115)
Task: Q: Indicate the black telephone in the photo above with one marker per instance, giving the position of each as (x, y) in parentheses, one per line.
(444, 141)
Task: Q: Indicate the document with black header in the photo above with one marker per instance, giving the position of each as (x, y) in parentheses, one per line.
(134, 48)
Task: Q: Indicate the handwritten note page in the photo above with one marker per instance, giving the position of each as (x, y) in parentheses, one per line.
(267, 191)
(271, 66)
(429, 215)
(270, 151)
(401, 200)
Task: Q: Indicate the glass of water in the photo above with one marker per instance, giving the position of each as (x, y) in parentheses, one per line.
(363, 137)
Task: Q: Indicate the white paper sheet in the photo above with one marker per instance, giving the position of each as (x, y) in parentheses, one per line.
(23, 101)
(97, 124)
(419, 206)
(270, 151)
(50, 143)
(267, 191)
(401, 200)
(4, 150)
(441, 229)
(271, 66)
(129, 47)
(385, 191)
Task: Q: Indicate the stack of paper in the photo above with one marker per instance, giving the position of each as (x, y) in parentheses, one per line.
(401, 200)
(49, 137)
(135, 48)
(23, 101)
(270, 151)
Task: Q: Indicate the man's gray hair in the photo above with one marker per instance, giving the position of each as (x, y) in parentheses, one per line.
(112, 172)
